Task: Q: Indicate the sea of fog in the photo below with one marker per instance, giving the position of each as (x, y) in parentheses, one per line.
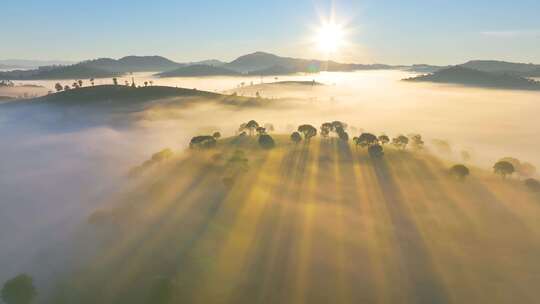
(51, 179)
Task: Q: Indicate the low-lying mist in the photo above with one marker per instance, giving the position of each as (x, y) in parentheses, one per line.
(51, 179)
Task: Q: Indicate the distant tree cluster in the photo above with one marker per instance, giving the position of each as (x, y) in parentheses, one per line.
(19, 290)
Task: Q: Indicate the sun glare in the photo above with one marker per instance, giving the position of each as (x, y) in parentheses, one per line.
(330, 37)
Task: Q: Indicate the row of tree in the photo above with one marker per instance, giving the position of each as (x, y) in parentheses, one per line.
(79, 84)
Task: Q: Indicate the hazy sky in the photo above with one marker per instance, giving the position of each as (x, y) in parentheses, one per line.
(389, 31)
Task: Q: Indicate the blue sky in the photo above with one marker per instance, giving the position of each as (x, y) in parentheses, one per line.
(389, 31)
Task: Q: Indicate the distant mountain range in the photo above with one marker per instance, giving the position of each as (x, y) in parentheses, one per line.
(471, 77)
(258, 63)
(196, 70)
(29, 64)
(255, 64)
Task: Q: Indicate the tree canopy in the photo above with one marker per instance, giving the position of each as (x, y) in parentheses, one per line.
(309, 131)
(459, 171)
(202, 141)
(19, 290)
(503, 168)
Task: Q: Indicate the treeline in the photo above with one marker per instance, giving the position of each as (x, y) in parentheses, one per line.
(59, 87)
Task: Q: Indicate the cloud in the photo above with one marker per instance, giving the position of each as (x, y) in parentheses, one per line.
(512, 33)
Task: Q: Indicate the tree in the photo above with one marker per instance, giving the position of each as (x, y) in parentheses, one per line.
(266, 141)
(146, 83)
(92, 81)
(261, 131)
(80, 82)
(75, 85)
(326, 128)
(67, 88)
(375, 151)
(296, 137)
(532, 184)
(366, 140)
(417, 142)
(251, 126)
(19, 290)
(115, 81)
(203, 141)
(459, 171)
(338, 124)
(308, 130)
(216, 135)
(58, 87)
(400, 142)
(383, 139)
(343, 135)
(503, 168)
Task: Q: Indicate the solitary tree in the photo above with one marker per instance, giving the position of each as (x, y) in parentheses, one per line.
(503, 168)
(383, 139)
(92, 81)
(459, 171)
(266, 141)
(296, 137)
(58, 87)
(308, 130)
(216, 135)
(146, 83)
(80, 82)
(376, 151)
(203, 141)
(115, 81)
(400, 142)
(19, 290)
(251, 126)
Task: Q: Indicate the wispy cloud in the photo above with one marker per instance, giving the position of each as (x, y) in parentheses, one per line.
(512, 33)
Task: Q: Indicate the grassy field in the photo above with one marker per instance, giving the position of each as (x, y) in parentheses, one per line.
(311, 223)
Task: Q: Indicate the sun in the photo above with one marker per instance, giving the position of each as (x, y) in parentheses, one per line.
(330, 37)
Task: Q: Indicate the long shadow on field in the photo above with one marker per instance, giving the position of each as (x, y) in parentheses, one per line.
(414, 255)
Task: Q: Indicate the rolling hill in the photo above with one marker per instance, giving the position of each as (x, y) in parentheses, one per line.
(502, 67)
(198, 70)
(470, 77)
(265, 62)
(58, 72)
(308, 223)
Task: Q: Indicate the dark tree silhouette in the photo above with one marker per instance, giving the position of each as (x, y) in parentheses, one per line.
(146, 83)
(400, 142)
(67, 88)
(532, 184)
(503, 168)
(376, 151)
(344, 136)
(366, 140)
(296, 137)
(338, 124)
(92, 81)
(383, 139)
(325, 129)
(115, 81)
(80, 82)
(58, 87)
(266, 141)
(203, 141)
(308, 130)
(459, 171)
(261, 131)
(251, 126)
(216, 135)
(19, 290)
